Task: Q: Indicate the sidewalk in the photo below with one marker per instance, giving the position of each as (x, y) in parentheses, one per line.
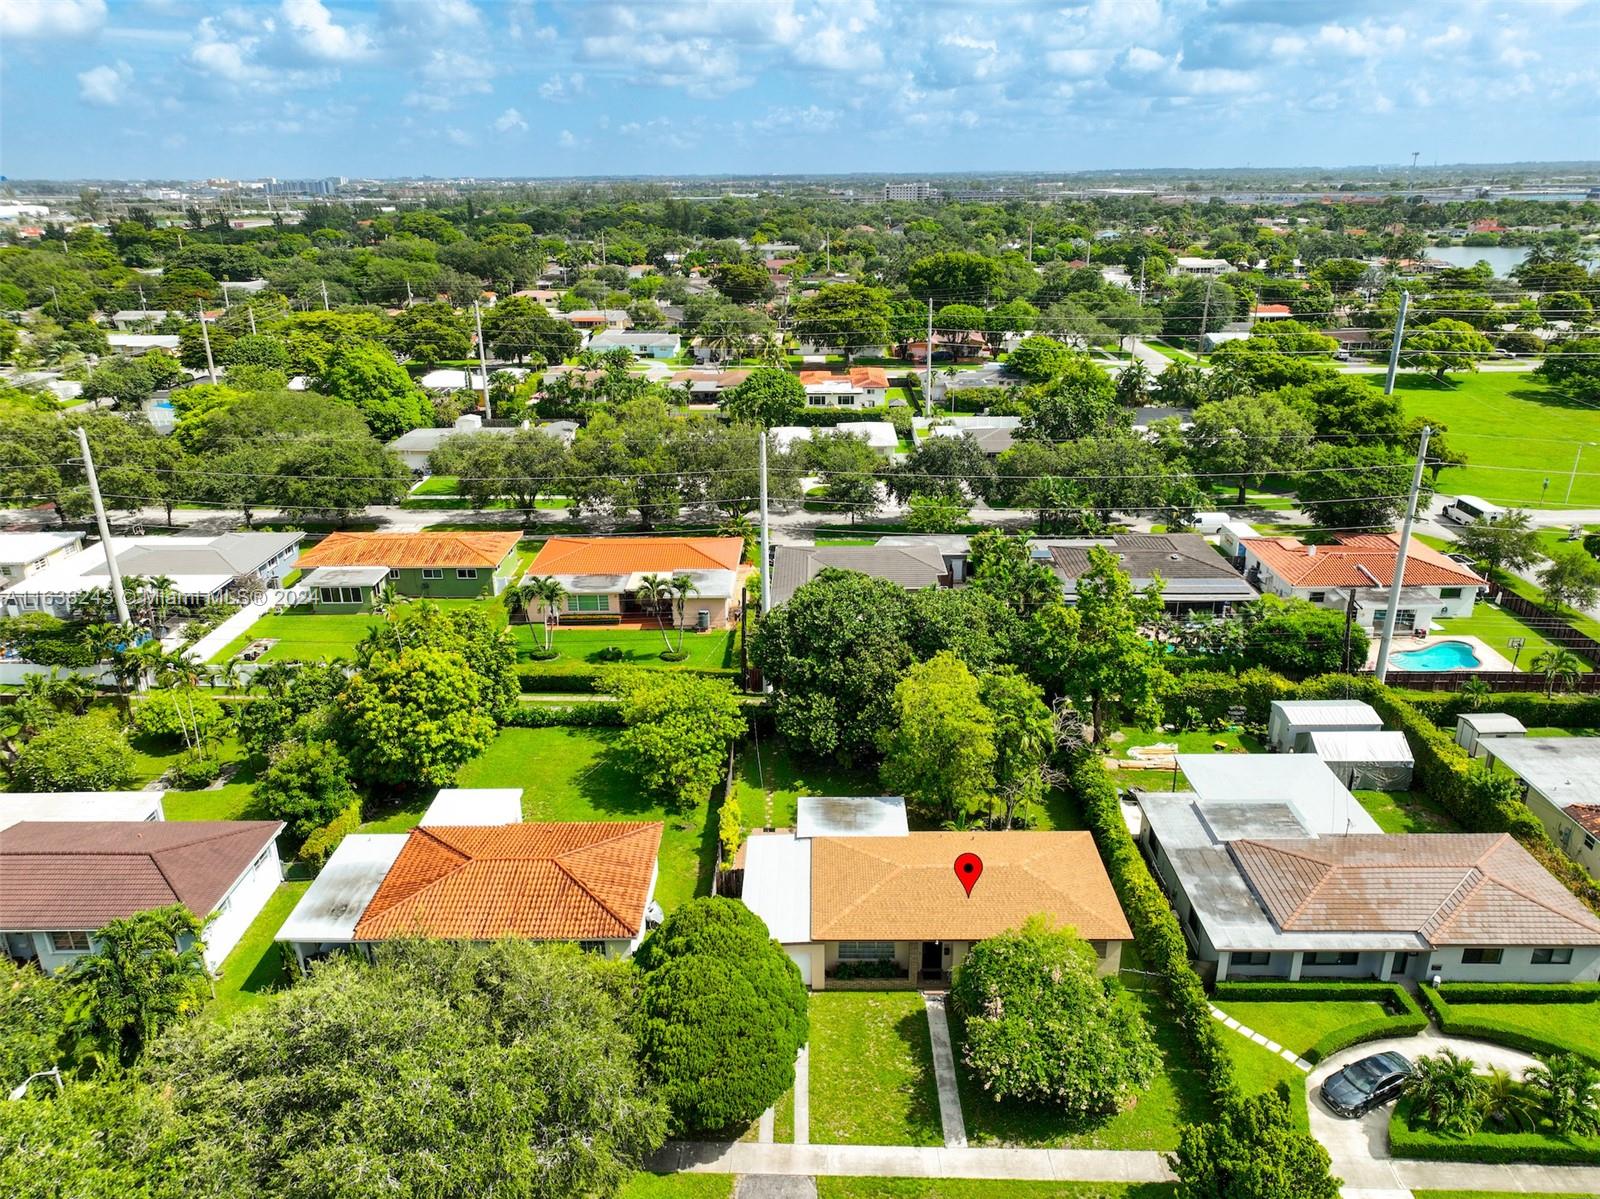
(904, 1161)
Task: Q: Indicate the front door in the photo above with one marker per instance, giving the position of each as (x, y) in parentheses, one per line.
(932, 959)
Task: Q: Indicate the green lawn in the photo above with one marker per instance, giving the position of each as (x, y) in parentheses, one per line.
(1257, 1070)
(713, 650)
(987, 1188)
(1152, 778)
(1170, 351)
(1406, 812)
(303, 636)
(770, 764)
(1563, 1023)
(234, 800)
(565, 774)
(1493, 1195)
(1177, 1096)
(1516, 433)
(1301, 1024)
(255, 965)
(678, 1186)
(1495, 627)
(436, 485)
(872, 1070)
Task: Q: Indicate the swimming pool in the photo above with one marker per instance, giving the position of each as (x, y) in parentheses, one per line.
(1441, 655)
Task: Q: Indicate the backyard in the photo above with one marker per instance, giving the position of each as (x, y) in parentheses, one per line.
(255, 965)
(1516, 433)
(1406, 812)
(872, 1070)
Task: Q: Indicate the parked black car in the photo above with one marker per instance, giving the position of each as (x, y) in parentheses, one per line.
(1364, 1085)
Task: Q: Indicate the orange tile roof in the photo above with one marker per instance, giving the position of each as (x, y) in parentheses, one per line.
(1358, 560)
(869, 376)
(1272, 310)
(905, 888)
(410, 550)
(544, 882)
(810, 377)
(628, 555)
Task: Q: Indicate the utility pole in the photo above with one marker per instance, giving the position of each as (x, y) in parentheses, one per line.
(927, 385)
(1030, 243)
(226, 304)
(1141, 283)
(766, 534)
(117, 596)
(1398, 582)
(827, 255)
(205, 336)
(483, 363)
(144, 304)
(324, 295)
(1349, 620)
(408, 293)
(1394, 350)
(251, 313)
(1205, 317)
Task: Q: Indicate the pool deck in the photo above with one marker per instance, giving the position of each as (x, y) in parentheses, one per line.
(1488, 658)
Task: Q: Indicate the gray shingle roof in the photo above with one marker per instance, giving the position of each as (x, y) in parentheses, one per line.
(912, 566)
(1188, 564)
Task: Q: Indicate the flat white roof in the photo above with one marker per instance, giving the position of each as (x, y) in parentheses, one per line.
(332, 905)
(475, 805)
(1302, 783)
(1565, 770)
(17, 806)
(1328, 713)
(17, 548)
(851, 816)
(1363, 745)
(709, 584)
(879, 434)
(777, 884)
(1492, 722)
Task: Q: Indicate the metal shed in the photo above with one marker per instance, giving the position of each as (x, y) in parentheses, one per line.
(1475, 727)
(1292, 721)
(1379, 761)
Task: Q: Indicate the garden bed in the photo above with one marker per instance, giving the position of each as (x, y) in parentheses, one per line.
(1407, 1138)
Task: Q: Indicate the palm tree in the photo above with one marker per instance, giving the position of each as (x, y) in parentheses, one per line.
(1557, 665)
(682, 588)
(516, 600)
(1507, 1104)
(1476, 692)
(1566, 1090)
(655, 592)
(548, 592)
(386, 602)
(163, 593)
(94, 604)
(1446, 1094)
(224, 675)
(274, 678)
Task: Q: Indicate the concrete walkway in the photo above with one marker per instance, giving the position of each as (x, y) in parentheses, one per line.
(213, 642)
(944, 1073)
(904, 1161)
(802, 1096)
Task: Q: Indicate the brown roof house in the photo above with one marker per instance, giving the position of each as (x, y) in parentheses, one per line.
(344, 569)
(472, 871)
(60, 880)
(1268, 884)
(852, 897)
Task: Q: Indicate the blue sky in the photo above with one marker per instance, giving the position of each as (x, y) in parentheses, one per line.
(193, 88)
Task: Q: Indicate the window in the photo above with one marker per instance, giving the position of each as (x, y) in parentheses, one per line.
(1588, 840)
(470, 572)
(69, 942)
(593, 947)
(866, 951)
(261, 858)
(1480, 957)
(340, 595)
(1449, 593)
(1552, 957)
(432, 573)
(588, 603)
(1250, 959)
(1347, 958)
(1316, 597)
(394, 574)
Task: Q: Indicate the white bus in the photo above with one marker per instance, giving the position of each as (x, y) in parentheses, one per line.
(1469, 509)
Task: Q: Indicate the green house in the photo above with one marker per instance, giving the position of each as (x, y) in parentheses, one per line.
(344, 569)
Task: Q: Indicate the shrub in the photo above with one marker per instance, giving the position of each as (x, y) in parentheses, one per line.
(1252, 1151)
(1040, 1027)
(185, 717)
(730, 830)
(1409, 1137)
(1155, 927)
(724, 1014)
(1208, 697)
(319, 846)
(47, 640)
(306, 786)
(846, 971)
(87, 754)
(549, 716)
(580, 678)
(194, 774)
(1521, 992)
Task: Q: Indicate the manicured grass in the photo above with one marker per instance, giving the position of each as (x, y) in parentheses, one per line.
(304, 636)
(565, 774)
(1530, 591)
(1406, 812)
(1493, 1195)
(1256, 1071)
(783, 1119)
(1563, 1023)
(1301, 1024)
(1170, 351)
(255, 965)
(1410, 1138)
(1196, 741)
(1495, 627)
(872, 1070)
(988, 1188)
(640, 647)
(234, 800)
(678, 1186)
(1177, 1096)
(437, 485)
(769, 763)
(1515, 432)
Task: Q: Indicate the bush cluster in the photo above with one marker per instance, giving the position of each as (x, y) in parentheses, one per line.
(319, 846)
(847, 971)
(194, 774)
(1533, 709)
(1155, 928)
(1409, 1137)
(550, 716)
(580, 678)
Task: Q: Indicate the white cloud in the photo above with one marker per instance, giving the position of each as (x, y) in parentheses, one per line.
(1076, 64)
(458, 69)
(51, 18)
(458, 137)
(510, 121)
(566, 139)
(1369, 41)
(313, 28)
(1144, 60)
(1516, 57)
(103, 86)
(1288, 45)
(1453, 38)
(558, 87)
(811, 119)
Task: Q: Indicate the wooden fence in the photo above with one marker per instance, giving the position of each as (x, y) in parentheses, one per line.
(1550, 626)
(1499, 680)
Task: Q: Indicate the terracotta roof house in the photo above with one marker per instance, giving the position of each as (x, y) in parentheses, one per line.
(860, 387)
(60, 880)
(1435, 588)
(1560, 779)
(913, 567)
(894, 905)
(1274, 886)
(433, 565)
(1195, 577)
(602, 576)
(592, 883)
(1271, 312)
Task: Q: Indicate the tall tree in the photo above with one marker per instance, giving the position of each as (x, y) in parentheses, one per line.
(1115, 670)
(768, 397)
(939, 750)
(143, 973)
(1252, 1150)
(1245, 440)
(366, 376)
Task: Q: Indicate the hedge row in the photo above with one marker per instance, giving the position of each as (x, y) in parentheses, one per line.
(320, 845)
(550, 716)
(1205, 697)
(1502, 1032)
(1411, 1021)
(578, 678)
(1545, 1149)
(1521, 993)
(1533, 709)
(1155, 928)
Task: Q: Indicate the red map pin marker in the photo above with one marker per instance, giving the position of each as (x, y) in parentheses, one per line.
(969, 867)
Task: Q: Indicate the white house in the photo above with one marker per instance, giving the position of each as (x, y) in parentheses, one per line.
(60, 881)
(1185, 265)
(860, 387)
(879, 434)
(414, 446)
(1560, 779)
(138, 343)
(1434, 588)
(24, 554)
(445, 380)
(138, 320)
(640, 345)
